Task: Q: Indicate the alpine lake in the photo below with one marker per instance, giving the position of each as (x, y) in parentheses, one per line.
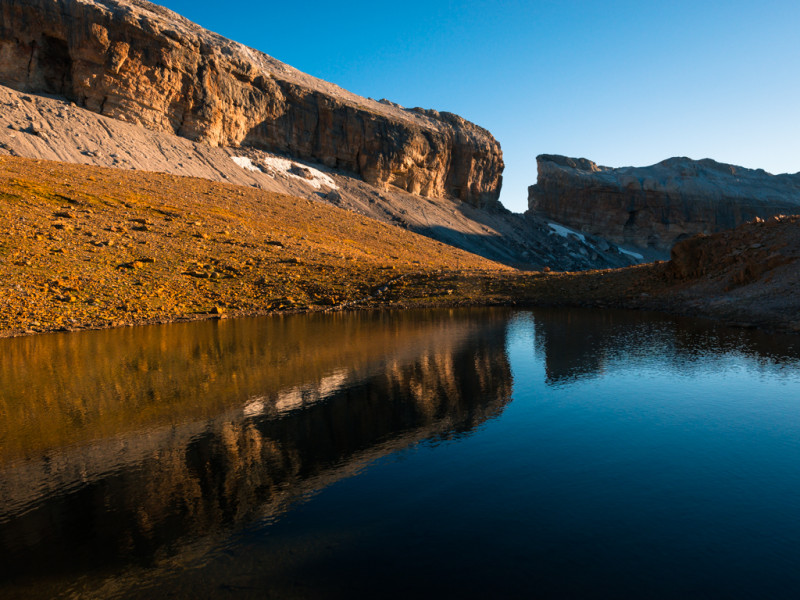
(477, 453)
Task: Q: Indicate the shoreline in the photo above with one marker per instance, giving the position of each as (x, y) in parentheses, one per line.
(515, 291)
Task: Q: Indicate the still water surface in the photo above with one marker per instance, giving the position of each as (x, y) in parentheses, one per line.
(446, 454)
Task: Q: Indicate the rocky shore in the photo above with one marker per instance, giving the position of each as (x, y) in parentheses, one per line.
(281, 192)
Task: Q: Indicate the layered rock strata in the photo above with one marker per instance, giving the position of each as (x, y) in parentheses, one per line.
(141, 63)
(656, 206)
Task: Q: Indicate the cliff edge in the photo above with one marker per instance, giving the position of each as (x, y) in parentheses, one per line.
(657, 206)
(143, 64)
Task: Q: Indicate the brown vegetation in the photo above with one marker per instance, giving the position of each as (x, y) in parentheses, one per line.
(93, 247)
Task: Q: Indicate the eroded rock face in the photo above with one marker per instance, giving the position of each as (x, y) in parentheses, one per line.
(738, 257)
(656, 206)
(144, 64)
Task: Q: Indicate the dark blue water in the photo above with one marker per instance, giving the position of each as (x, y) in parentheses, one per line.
(545, 454)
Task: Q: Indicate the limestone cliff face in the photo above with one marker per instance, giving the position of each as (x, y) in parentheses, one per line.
(655, 206)
(144, 64)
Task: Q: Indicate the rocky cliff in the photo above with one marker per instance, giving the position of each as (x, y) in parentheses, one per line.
(655, 206)
(141, 63)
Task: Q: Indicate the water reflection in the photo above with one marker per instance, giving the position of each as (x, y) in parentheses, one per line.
(199, 460)
(119, 446)
(577, 344)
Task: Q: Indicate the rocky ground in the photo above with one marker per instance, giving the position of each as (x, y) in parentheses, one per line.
(88, 247)
(749, 275)
(93, 247)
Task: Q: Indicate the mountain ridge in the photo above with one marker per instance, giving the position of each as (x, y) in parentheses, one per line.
(661, 204)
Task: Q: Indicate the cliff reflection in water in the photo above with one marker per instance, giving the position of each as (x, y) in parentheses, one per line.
(119, 446)
(577, 344)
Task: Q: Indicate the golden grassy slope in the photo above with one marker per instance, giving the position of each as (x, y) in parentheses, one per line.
(92, 247)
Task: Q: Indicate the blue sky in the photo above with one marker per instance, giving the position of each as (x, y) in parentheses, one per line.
(618, 82)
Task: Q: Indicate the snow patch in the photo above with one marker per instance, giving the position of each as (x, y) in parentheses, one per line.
(629, 253)
(566, 231)
(283, 166)
(274, 165)
(245, 163)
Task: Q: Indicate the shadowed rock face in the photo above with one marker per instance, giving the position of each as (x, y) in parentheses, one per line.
(144, 64)
(656, 206)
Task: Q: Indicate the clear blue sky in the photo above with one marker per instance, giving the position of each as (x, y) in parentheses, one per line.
(618, 82)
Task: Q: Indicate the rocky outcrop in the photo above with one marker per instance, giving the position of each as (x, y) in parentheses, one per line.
(738, 257)
(141, 63)
(656, 206)
(748, 276)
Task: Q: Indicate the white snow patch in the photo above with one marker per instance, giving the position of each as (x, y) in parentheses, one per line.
(282, 166)
(274, 165)
(566, 231)
(629, 253)
(245, 163)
